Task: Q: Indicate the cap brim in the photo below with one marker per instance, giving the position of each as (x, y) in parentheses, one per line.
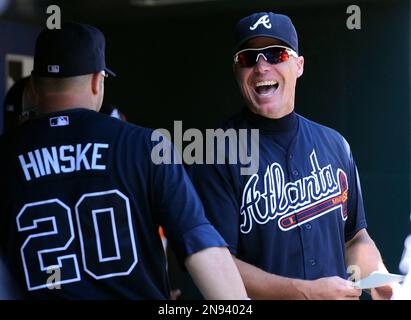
(111, 73)
(241, 43)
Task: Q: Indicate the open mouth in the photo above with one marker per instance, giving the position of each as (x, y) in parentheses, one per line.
(267, 87)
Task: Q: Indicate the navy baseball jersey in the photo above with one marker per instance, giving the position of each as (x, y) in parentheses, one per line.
(81, 204)
(293, 216)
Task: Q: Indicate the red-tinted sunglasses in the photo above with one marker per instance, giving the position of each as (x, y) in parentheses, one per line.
(248, 58)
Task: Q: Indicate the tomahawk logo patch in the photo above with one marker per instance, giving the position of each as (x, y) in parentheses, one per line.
(294, 203)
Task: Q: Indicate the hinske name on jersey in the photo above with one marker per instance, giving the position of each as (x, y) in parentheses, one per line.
(63, 159)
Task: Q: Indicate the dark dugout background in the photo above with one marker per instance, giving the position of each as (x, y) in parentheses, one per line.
(174, 63)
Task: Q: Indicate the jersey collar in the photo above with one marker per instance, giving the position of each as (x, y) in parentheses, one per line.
(286, 123)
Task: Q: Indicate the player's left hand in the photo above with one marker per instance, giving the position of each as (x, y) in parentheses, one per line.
(382, 293)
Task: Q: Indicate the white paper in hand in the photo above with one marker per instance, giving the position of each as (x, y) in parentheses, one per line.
(378, 279)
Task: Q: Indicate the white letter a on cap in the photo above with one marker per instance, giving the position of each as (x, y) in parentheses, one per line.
(263, 20)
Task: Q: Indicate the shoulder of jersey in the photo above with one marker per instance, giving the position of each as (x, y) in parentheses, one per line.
(113, 122)
(320, 127)
(325, 131)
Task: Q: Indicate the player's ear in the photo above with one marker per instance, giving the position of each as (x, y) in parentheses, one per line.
(97, 82)
(300, 66)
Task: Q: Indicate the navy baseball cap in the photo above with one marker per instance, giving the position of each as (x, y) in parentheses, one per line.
(74, 50)
(266, 24)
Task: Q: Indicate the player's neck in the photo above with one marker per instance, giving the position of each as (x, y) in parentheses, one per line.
(61, 102)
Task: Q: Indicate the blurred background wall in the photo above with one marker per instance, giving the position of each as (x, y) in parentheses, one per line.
(174, 62)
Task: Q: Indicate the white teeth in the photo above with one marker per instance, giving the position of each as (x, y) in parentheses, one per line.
(266, 83)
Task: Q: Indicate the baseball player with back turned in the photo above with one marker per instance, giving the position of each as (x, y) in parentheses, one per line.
(81, 201)
(297, 223)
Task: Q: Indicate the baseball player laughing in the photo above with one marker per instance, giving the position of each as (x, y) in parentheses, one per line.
(298, 223)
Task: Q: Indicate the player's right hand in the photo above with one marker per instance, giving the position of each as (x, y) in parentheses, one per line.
(331, 288)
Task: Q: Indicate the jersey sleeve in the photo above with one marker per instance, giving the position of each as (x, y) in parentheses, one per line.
(180, 211)
(356, 214)
(220, 197)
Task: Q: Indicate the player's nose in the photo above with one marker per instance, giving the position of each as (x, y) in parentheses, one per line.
(262, 64)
